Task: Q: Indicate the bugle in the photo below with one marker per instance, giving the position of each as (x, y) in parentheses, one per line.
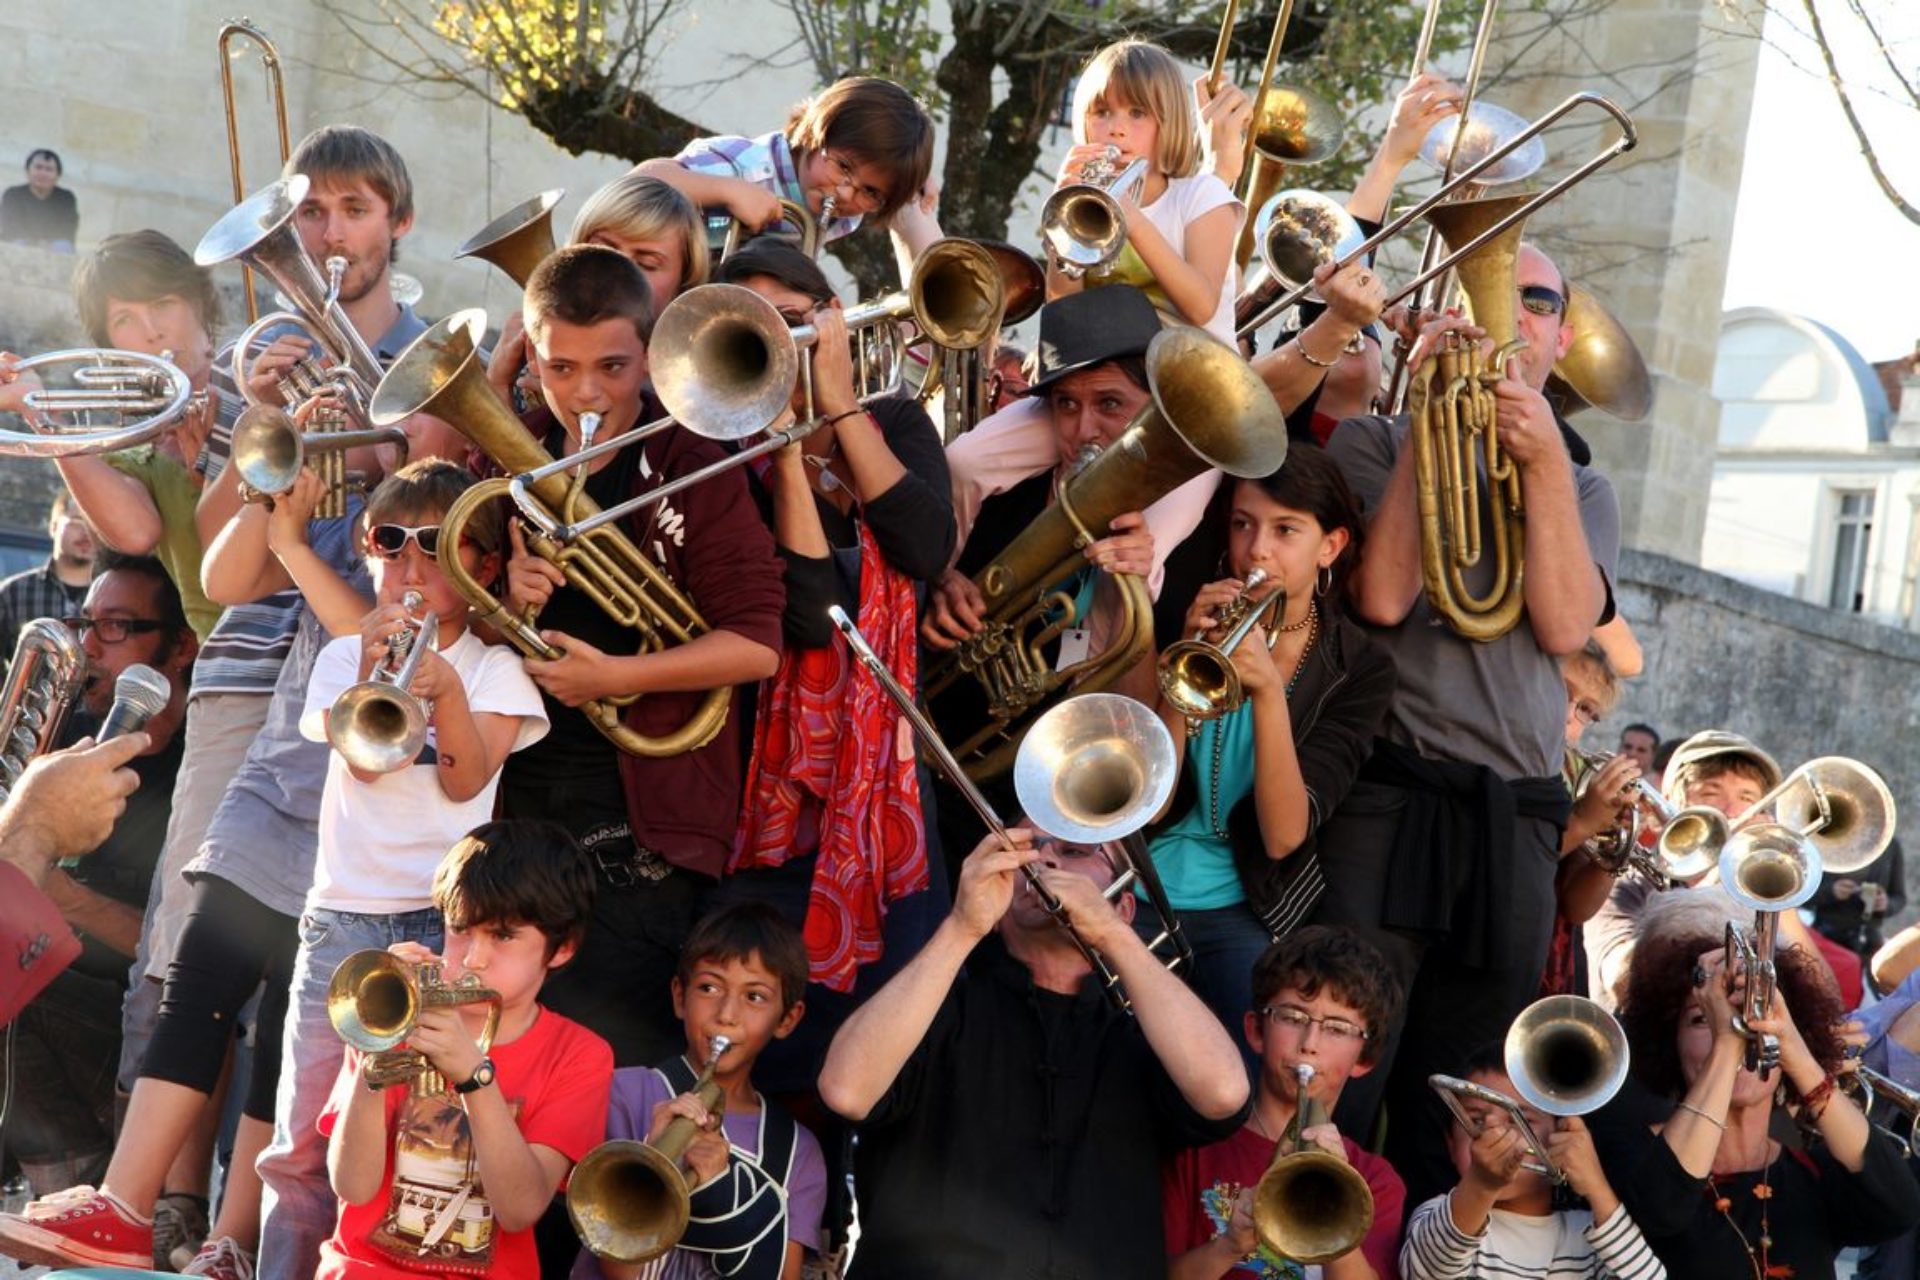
(1310, 1205)
(440, 374)
(243, 29)
(109, 383)
(374, 999)
(518, 240)
(378, 725)
(630, 1201)
(1197, 676)
(1124, 809)
(44, 680)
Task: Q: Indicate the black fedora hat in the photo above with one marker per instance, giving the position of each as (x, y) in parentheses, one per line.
(1089, 328)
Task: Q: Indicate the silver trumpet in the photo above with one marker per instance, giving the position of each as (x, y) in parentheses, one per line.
(1082, 225)
(377, 725)
(1690, 838)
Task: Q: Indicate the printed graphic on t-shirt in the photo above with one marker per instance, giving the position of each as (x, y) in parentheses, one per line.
(1217, 1200)
(438, 1217)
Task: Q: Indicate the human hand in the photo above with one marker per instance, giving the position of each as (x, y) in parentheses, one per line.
(531, 579)
(266, 370)
(1431, 330)
(434, 679)
(1086, 907)
(16, 386)
(1224, 117)
(754, 207)
(1496, 1155)
(1327, 1138)
(1844, 889)
(1127, 549)
(1571, 1150)
(1242, 1238)
(578, 676)
(1354, 295)
(1209, 604)
(833, 389)
(708, 1153)
(987, 881)
(1529, 432)
(185, 440)
(377, 631)
(510, 362)
(441, 1033)
(1079, 158)
(1428, 99)
(955, 611)
(66, 802)
(289, 513)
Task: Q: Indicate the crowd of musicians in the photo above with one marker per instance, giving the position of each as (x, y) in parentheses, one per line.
(1100, 838)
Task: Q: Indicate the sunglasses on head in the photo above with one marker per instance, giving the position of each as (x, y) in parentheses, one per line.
(388, 541)
(1541, 300)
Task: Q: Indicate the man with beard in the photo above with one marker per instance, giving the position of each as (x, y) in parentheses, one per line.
(65, 1046)
(57, 587)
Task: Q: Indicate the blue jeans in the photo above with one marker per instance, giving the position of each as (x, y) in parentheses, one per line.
(298, 1201)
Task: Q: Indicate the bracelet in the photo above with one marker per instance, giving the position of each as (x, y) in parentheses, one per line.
(1310, 358)
(1814, 1102)
(853, 412)
(1718, 1124)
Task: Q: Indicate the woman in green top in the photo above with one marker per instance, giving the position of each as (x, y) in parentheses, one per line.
(1236, 848)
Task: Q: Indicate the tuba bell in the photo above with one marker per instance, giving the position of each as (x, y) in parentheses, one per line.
(1310, 1205)
(373, 1001)
(518, 240)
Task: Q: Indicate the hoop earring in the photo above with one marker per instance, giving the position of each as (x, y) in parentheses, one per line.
(1323, 581)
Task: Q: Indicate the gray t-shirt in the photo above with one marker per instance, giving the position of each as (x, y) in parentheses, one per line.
(1500, 704)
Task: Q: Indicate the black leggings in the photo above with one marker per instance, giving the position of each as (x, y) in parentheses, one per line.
(231, 942)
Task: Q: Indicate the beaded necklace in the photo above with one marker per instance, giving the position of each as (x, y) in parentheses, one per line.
(1764, 1194)
(1312, 623)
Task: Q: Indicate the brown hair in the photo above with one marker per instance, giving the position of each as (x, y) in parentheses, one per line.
(141, 266)
(429, 487)
(584, 284)
(641, 208)
(1144, 75)
(1589, 665)
(873, 121)
(1350, 968)
(744, 930)
(1312, 482)
(344, 154)
(1734, 763)
(517, 871)
(777, 260)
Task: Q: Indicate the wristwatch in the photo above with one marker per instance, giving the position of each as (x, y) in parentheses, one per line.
(482, 1077)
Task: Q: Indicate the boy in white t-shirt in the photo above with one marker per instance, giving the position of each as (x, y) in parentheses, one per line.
(383, 835)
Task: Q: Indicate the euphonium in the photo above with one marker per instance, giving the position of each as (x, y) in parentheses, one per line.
(373, 1001)
(630, 1200)
(377, 725)
(1310, 1205)
(1209, 409)
(1197, 676)
(49, 669)
(440, 374)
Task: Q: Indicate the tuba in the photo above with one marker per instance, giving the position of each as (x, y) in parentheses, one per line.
(373, 1000)
(440, 374)
(1209, 409)
(377, 726)
(1310, 1205)
(43, 682)
(630, 1201)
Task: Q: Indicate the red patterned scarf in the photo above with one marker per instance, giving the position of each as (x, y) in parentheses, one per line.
(828, 771)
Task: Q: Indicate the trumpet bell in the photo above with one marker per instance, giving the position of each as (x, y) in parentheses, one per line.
(1859, 817)
(1768, 866)
(1603, 368)
(1488, 128)
(1566, 1055)
(1690, 844)
(1312, 1207)
(1094, 768)
(724, 359)
(372, 1000)
(1197, 681)
(518, 240)
(377, 728)
(1297, 126)
(267, 450)
(628, 1202)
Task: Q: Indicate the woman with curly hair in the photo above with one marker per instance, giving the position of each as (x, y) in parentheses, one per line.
(1714, 1192)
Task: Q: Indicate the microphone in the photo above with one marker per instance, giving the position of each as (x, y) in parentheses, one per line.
(138, 695)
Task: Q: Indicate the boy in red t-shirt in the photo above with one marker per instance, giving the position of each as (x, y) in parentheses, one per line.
(1325, 997)
(451, 1183)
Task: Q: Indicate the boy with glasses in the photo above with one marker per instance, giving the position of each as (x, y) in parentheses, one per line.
(1324, 998)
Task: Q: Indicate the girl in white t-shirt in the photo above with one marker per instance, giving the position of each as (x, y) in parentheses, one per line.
(1182, 225)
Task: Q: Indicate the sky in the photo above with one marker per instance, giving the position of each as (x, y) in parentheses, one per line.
(1812, 233)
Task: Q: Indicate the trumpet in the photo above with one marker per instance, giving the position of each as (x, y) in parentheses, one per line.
(1197, 676)
(1082, 224)
(377, 726)
(108, 382)
(44, 680)
(1767, 868)
(1868, 1088)
(1565, 1055)
(1690, 838)
(1124, 779)
(269, 450)
(373, 1001)
(630, 1201)
(1310, 1205)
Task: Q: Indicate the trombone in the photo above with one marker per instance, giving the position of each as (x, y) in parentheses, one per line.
(108, 382)
(373, 1001)
(631, 1201)
(377, 726)
(1082, 225)
(1310, 1205)
(1099, 781)
(1197, 676)
(1565, 1055)
(237, 29)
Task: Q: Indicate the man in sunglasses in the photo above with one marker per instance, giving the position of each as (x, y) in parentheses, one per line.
(65, 1046)
(1448, 844)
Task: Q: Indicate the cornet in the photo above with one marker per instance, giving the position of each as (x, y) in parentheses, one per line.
(1082, 224)
(377, 725)
(373, 1001)
(1197, 676)
(1310, 1205)
(630, 1201)
(1690, 838)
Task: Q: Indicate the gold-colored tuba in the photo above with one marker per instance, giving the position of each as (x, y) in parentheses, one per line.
(1310, 1205)
(629, 1200)
(373, 1001)
(1209, 409)
(49, 669)
(441, 374)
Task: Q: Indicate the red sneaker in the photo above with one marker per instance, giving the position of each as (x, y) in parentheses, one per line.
(78, 1225)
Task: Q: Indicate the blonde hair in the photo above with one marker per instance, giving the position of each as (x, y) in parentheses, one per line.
(1590, 667)
(1144, 75)
(637, 207)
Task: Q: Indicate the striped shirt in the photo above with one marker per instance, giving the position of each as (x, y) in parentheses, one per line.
(1560, 1246)
(766, 162)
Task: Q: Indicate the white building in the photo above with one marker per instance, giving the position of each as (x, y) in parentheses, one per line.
(1816, 480)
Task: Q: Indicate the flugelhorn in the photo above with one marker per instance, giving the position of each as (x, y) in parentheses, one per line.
(373, 1001)
(378, 725)
(518, 240)
(1209, 409)
(1197, 676)
(440, 374)
(44, 680)
(1310, 1205)
(1081, 224)
(108, 383)
(630, 1201)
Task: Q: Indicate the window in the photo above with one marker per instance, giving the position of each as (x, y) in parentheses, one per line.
(1853, 530)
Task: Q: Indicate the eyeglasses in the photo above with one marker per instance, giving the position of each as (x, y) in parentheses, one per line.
(1586, 712)
(847, 180)
(1541, 300)
(113, 630)
(388, 541)
(1297, 1019)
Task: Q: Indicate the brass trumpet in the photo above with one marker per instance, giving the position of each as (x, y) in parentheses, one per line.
(1310, 1205)
(1197, 676)
(108, 383)
(269, 450)
(377, 726)
(373, 1001)
(630, 1201)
